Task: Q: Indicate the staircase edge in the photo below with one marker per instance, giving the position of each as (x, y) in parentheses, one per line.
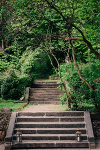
(91, 138)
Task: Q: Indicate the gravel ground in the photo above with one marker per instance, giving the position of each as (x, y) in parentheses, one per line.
(44, 107)
(2, 146)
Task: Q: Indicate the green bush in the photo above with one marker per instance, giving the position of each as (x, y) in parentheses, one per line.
(1, 81)
(13, 87)
(3, 64)
(80, 93)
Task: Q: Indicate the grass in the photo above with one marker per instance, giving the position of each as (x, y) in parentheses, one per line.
(10, 104)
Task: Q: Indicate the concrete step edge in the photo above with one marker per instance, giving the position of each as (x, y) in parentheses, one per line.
(47, 135)
(67, 117)
(55, 141)
(53, 123)
(59, 129)
(53, 113)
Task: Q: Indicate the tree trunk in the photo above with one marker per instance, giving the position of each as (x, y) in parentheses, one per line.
(2, 48)
(89, 86)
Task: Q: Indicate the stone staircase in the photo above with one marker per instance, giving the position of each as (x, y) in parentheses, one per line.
(44, 92)
(49, 130)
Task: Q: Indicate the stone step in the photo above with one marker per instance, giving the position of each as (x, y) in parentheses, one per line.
(51, 137)
(50, 125)
(45, 90)
(44, 97)
(44, 102)
(53, 149)
(50, 119)
(49, 130)
(44, 94)
(44, 86)
(43, 83)
(63, 113)
(37, 98)
(51, 144)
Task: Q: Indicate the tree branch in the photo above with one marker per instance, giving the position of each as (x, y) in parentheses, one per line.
(74, 57)
(73, 25)
(67, 39)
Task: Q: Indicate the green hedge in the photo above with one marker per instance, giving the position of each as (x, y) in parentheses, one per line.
(13, 87)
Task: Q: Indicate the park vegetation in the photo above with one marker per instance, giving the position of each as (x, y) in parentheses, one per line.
(41, 38)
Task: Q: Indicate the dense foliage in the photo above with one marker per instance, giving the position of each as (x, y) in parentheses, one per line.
(13, 87)
(80, 94)
(42, 37)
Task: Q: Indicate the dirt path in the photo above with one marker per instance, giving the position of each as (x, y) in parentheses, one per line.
(44, 107)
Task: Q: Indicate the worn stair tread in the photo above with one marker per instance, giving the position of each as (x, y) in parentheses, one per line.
(44, 88)
(53, 91)
(52, 113)
(53, 149)
(51, 144)
(49, 81)
(44, 102)
(47, 135)
(49, 92)
(55, 141)
(60, 129)
(51, 117)
(44, 98)
(44, 93)
(51, 123)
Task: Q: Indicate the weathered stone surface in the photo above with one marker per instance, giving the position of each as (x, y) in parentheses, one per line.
(22, 98)
(2, 135)
(10, 128)
(4, 122)
(6, 110)
(50, 129)
(90, 133)
(27, 94)
(44, 92)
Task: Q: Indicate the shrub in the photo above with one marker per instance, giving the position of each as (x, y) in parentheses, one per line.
(13, 87)
(79, 91)
(1, 81)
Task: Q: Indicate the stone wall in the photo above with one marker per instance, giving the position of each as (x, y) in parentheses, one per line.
(5, 114)
(95, 117)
